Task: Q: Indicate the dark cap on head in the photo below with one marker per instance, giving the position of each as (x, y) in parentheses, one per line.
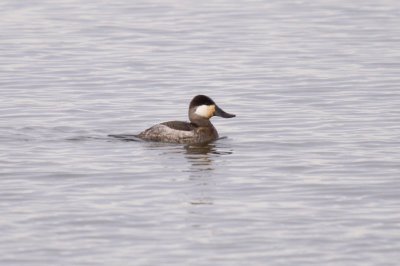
(201, 100)
(211, 110)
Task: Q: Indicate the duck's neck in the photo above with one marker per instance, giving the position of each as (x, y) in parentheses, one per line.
(201, 122)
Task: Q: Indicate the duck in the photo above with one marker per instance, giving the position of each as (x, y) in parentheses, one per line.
(199, 130)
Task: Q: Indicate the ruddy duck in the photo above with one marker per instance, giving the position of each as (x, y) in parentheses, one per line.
(199, 130)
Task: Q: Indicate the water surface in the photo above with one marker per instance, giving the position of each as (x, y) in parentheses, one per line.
(309, 171)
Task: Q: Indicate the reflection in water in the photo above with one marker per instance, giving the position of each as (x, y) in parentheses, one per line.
(199, 149)
(210, 148)
(200, 158)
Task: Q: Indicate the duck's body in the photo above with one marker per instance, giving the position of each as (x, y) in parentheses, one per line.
(199, 130)
(180, 132)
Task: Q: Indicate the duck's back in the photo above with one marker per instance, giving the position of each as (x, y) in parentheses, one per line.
(180, 125)
(171, 131)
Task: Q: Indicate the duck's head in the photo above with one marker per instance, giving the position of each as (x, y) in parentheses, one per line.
(202, 108)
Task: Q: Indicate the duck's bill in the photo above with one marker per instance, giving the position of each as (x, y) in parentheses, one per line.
(222, 113)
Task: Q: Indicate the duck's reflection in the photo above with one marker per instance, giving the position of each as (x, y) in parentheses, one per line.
(200, 157)
(202, 169)
(199, 149)
(206, 149)
(202, 164)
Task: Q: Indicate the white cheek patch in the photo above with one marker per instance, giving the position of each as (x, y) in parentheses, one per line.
(206, 111)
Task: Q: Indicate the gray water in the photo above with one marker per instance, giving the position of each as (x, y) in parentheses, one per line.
(309, 171)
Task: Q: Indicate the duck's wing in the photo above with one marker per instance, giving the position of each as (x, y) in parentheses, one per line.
(172, 131)
(179, 125)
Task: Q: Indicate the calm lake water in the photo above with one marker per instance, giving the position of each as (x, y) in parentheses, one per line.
(309, 173)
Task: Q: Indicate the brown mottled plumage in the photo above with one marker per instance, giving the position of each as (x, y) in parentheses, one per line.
(199, 130)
